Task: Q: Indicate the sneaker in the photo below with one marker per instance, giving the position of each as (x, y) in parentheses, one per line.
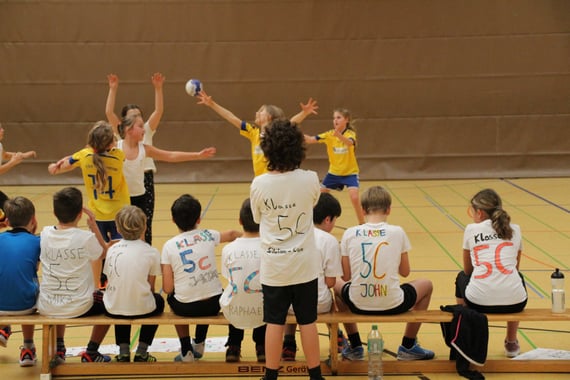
(60, 356)
(260, 353)
(233, 354)
(198, 349)
(188, 358)
(414, 353)
(98, 357)
(342, 342)
(512, 349)
(27, 357)
(148, 358)
(288, 353)
(4, 335)
(123, 358)
(353, 353)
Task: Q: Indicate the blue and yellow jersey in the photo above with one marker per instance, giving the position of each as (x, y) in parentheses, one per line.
(105, 204)
(253, 134)
(342, 160)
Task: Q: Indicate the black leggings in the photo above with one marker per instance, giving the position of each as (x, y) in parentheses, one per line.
(123, 332)
(203, 308)
(235, 335)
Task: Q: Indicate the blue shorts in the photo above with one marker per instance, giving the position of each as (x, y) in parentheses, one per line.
(109, 230)
(339, 182)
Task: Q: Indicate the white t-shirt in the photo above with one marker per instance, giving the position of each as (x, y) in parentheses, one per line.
(495, 279)
(282, 204)
(128, 265)
(375, 252)
(192, 256)
(147, 139)
(242, 300)
(329, 249)
(134, 171)
(1, 153)
(67, 286)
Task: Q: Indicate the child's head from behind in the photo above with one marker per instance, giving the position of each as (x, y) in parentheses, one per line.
(131, 222)
(67, 204)
(3, 198)
(101, 137)
(186, 211)
(283, 145)
(246, 217)
(327, 207)
(19, 211)
(376, 199)
(487, 204)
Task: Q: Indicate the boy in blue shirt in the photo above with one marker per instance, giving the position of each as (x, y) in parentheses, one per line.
(18, 273)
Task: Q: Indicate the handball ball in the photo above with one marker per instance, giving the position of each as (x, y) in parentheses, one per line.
(193, 87)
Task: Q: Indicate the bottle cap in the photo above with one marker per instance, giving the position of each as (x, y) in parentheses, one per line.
(557, 274)
(374, 327)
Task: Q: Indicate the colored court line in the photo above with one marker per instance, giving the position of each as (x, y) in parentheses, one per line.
(209, 203)
(430, 234)
(135, 338)
(536, 195)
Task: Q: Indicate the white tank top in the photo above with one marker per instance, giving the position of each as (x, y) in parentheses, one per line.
(134, 171)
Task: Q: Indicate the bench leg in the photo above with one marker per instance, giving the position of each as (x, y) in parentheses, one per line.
(333, 347)
(49, 345)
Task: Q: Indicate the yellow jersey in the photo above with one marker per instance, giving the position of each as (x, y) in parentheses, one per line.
(253, 134)
(342, 159)
(105, 204)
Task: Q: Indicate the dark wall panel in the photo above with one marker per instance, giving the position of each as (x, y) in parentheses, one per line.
(439, 89)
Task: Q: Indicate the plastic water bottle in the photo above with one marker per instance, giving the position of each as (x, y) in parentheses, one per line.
(558, 294)
(375, 348)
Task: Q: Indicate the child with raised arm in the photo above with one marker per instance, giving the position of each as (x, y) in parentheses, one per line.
(71, 261)
(150, 128)
(490, 281)
(343, 167)
(101, 165)
(19, 287)
(325, 213)
(374, 255)
(253, 132)
(136, 151)
(13, 158)
(189, 273)
(242, 300)
(131, 267)
(282, 202)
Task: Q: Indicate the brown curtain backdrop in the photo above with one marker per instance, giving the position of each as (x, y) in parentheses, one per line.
(439, 89)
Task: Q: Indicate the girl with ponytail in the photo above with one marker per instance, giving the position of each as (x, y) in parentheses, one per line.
(102, 166)
(490, 281)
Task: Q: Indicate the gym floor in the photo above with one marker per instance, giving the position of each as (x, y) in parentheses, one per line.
(432, 212)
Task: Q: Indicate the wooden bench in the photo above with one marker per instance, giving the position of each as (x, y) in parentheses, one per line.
(331, 366)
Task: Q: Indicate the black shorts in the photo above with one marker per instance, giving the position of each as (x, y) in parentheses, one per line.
(278, 299)
(461, 282)
(410, 297)
(203, 308)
